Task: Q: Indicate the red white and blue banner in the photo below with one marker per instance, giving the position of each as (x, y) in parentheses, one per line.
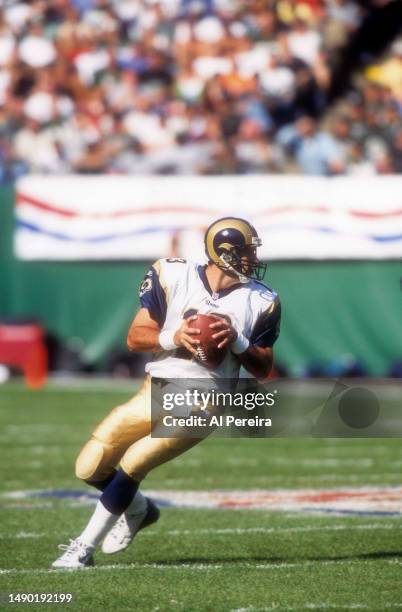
(119, 218)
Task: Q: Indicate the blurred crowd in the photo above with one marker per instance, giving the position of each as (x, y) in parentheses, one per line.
(190, 87)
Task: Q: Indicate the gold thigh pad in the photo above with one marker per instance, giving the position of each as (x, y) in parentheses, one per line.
(122, 427)
(146, 454)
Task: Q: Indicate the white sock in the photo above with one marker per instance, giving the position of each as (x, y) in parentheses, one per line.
(99, 524)
(138, 504)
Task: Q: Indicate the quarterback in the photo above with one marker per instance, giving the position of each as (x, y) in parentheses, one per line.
(172, 293)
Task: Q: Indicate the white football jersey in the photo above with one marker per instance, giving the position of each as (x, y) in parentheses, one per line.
(174, 289)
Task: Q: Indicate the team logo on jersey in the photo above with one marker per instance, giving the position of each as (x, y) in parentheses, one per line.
(146, 284)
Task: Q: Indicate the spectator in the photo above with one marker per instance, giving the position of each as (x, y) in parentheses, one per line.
(358, 163)
(396, 148)
(315, 151)
(189, 86)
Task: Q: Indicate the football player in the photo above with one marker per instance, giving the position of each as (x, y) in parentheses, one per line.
(172, 293)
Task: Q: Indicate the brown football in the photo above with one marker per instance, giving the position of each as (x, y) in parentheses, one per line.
(208, 353)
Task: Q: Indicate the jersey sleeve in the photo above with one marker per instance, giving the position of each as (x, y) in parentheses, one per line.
(267, 327)
(152, 295)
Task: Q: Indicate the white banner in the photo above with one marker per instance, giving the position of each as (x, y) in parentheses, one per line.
(108, 217)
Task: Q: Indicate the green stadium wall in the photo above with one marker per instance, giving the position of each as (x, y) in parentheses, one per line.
(330, 309)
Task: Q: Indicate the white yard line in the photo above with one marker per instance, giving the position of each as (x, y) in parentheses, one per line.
(115, 566)
(193, 566)
(246, 530)
(60, 384)
(21, 535)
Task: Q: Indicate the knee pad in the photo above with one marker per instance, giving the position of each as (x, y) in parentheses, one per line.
(95, 461)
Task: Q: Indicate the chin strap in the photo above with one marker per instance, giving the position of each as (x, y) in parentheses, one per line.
(225, 258)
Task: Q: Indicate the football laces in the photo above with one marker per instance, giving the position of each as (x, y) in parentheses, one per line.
(200, 354)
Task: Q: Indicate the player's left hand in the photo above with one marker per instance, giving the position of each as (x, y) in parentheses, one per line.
(225, 332)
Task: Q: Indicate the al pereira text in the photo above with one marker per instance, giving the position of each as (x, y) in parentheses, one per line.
(215, 421)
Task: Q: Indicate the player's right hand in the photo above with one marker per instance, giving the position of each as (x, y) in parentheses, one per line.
(185, 335)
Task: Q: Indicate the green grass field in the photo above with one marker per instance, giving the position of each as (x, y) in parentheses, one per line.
(197, 559)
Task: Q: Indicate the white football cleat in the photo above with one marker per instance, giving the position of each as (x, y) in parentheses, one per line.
(77, 555)
(127, 527)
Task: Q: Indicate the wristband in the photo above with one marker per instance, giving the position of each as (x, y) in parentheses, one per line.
(240, 345)
(166, 340)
